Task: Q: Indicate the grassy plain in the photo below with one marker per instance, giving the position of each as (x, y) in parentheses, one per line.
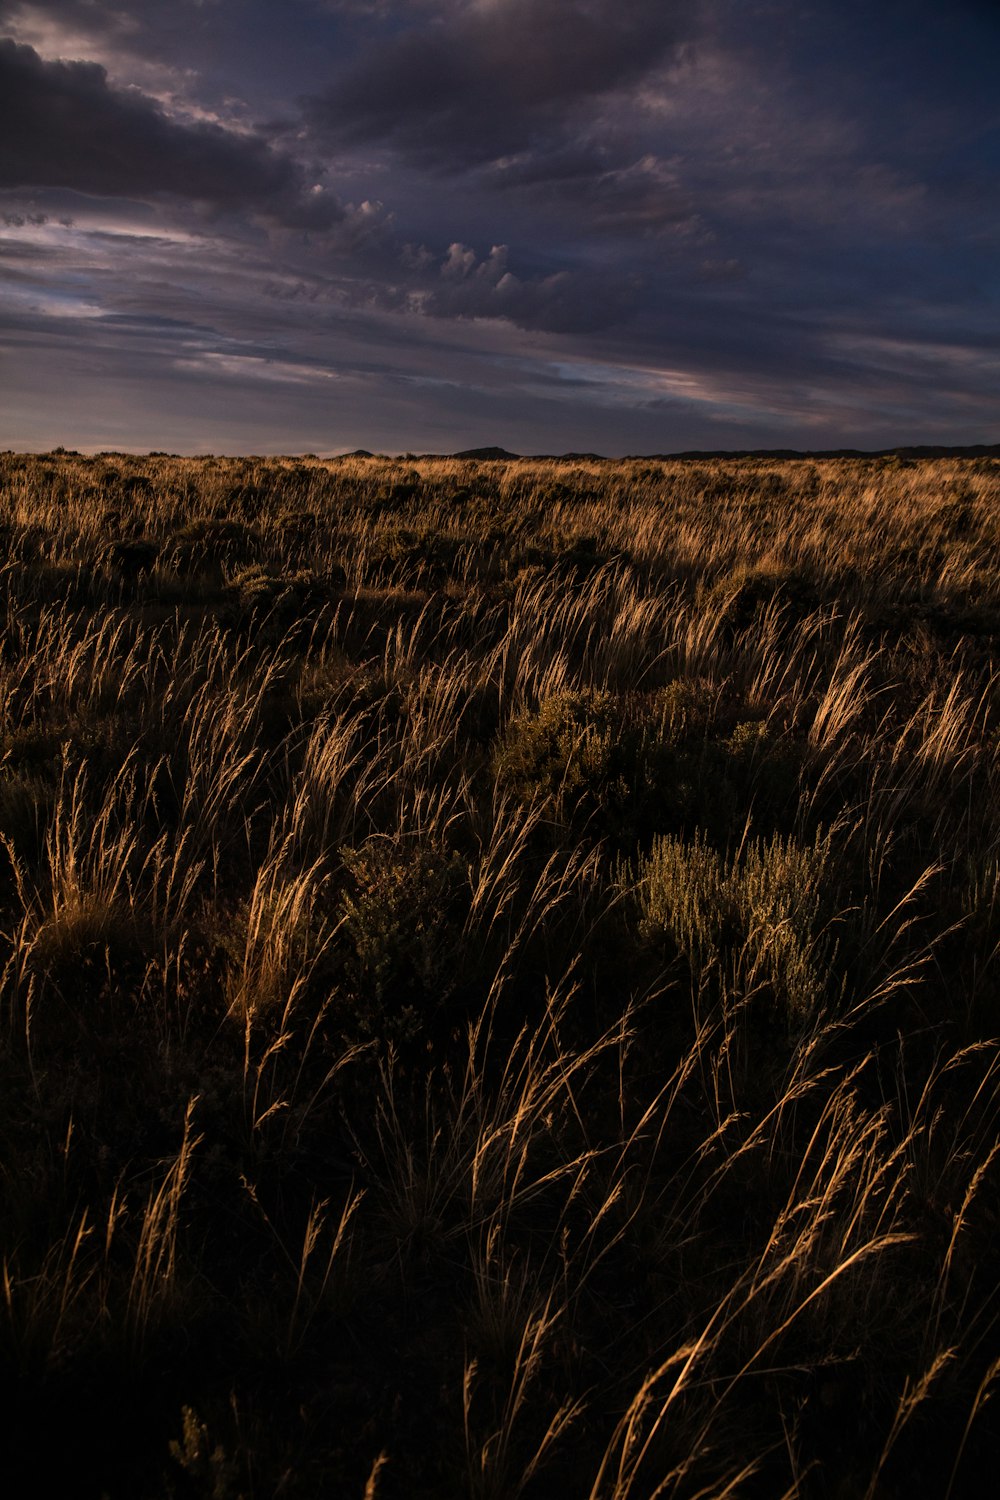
(500, 977)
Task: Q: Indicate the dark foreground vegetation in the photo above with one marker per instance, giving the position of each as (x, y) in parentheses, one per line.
(500, 978)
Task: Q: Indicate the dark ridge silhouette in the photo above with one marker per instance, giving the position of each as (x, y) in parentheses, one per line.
(486, 453)
(977, 450)
(357, 453)
(570, 458)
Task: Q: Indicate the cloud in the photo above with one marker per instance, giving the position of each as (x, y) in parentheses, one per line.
(481, 79)
(460, 285)
(532, 101)
(610, 190)
(63, 126)
(255, 367)
(568, 301)
(726, 219)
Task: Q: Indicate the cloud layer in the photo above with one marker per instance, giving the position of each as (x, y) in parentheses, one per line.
(634, 224)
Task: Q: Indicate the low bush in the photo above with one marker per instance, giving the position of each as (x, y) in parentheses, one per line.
(400, 920)
(209, 543)
(756, 922)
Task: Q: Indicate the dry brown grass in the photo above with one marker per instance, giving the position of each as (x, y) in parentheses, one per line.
(499, 976)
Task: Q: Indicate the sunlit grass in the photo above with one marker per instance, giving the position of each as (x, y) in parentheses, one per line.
(498, 976)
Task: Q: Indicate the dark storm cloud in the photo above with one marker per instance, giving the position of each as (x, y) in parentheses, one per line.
(63, 126)
(479, 81)
(620, 224)
(563, 302)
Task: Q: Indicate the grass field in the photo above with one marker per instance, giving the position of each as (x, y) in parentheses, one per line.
(501, 977)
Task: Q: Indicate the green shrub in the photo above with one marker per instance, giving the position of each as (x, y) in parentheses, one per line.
(420, 558)
(285, 598)
(632, 768)
(758, 919)
(570, 754)
(574, 556)
(206, 1466)
(400, 917)
(685, 900)
(745, 593)
(763, 769)
(209, 542)
(131, 560)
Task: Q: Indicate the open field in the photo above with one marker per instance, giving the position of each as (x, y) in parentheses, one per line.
(501, 977)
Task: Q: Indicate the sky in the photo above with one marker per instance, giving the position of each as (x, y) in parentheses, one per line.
(623, 226)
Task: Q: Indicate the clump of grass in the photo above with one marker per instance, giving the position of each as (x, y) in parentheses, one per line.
(278, 941)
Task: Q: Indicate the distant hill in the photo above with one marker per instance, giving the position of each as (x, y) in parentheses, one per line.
(929, 451)
(571, 458)
(486, 453)
(978, 450)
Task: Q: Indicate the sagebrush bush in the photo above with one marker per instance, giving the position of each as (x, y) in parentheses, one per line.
(569, 753)
(400, 918)
(758, 918)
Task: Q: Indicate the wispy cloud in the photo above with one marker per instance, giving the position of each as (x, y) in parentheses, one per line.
(254, 367)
